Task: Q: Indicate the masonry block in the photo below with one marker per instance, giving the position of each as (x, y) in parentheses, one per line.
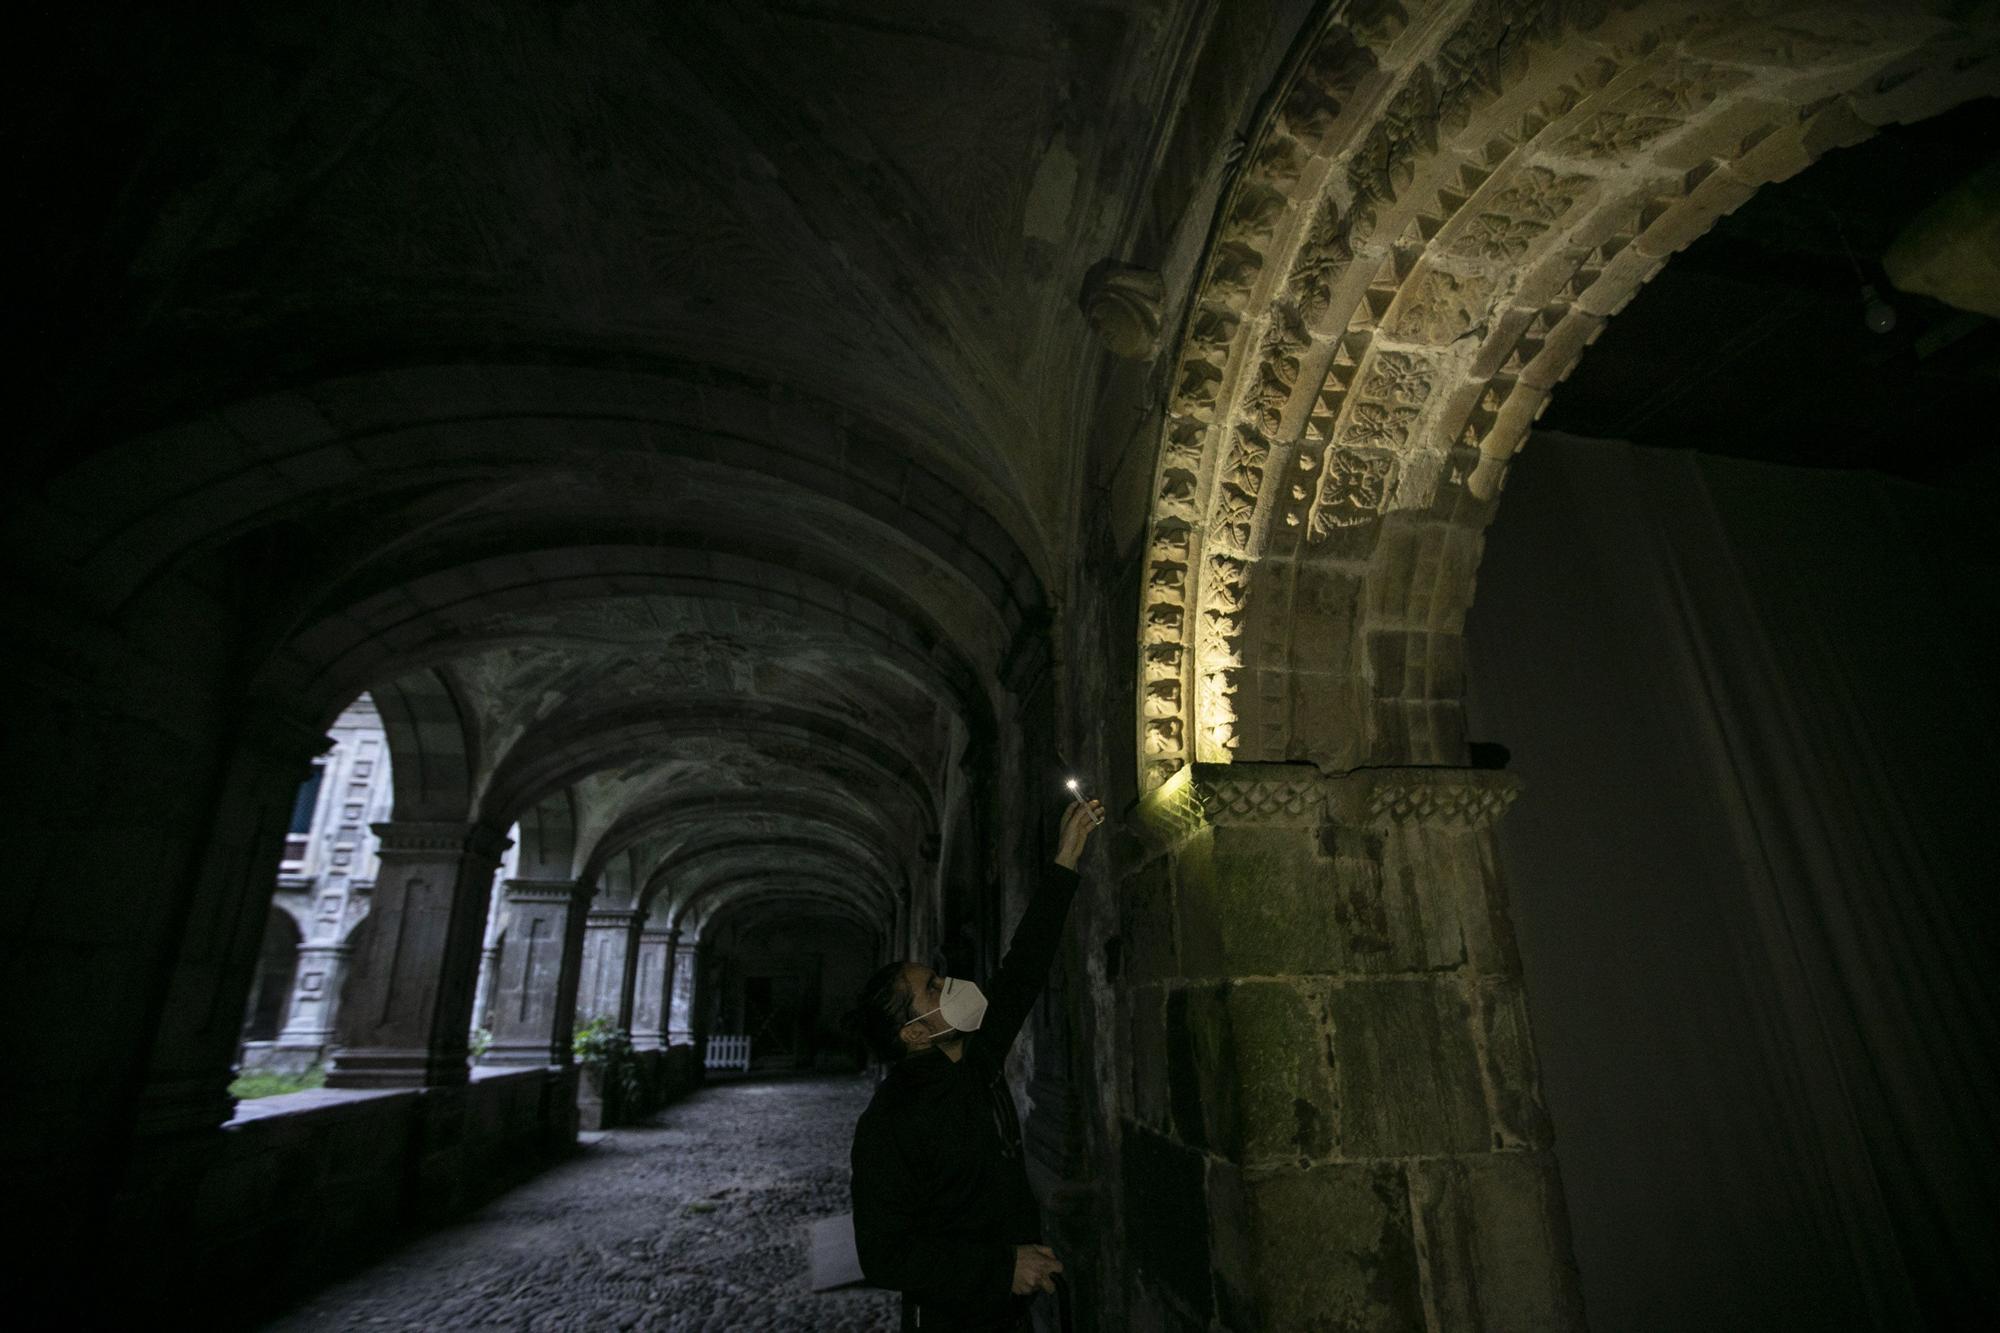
(1166, 1216)
(1390, 917)
(1241, 911)
(1332, 1247)
(1507, 1059)
(1496, 1242)
(1406, 1070)
(1144, 1010)
(1248, 1069)
(1146, 909)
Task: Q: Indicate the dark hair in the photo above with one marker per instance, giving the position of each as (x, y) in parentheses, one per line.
(881, 1011)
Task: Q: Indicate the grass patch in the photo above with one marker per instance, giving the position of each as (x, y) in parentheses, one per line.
(251, 1086)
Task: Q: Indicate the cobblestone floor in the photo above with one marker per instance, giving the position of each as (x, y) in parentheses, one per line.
(696, 1221)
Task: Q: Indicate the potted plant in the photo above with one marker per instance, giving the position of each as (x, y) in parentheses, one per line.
(609, 1088)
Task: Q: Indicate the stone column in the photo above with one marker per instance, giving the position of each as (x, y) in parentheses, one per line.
(652, 993)
(221, 929)
(408, 1004)
(1334, 1104)
(482, 996)
(315, 995)
(534, 999)
(608, 978)
(680, 1017)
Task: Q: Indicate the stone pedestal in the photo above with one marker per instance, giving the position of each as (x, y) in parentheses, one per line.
(534, 999)
(652, 989)
(1334, 1104)
(315, 996)
(408, 999)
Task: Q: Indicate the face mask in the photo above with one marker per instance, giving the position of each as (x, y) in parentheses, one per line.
(961, 1003)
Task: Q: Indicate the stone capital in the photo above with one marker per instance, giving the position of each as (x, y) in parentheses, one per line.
(1458, 799)
(607, 918)
(429, 838)
(1202, 796)
(564, 892)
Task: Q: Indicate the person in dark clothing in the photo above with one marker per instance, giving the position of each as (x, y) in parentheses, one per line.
(942, 1209)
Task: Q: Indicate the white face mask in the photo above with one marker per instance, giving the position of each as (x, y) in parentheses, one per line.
(961, 1003)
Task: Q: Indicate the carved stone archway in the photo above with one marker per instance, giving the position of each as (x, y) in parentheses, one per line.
(1323, 1023)
(1440, 210)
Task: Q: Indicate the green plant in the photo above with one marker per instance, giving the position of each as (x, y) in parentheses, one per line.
(248, 1087)
(482, 1041)
(603, 1048)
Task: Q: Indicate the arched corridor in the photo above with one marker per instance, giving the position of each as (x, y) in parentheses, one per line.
(693, 1219)
(545, 544)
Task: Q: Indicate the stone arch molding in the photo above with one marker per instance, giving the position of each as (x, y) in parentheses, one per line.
(1441, 207)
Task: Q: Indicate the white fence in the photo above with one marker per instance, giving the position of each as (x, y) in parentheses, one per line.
(729, 1053)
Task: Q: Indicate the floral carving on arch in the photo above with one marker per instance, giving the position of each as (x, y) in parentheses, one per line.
(1441, 207)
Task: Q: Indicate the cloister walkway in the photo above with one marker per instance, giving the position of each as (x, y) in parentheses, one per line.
(694, 1220)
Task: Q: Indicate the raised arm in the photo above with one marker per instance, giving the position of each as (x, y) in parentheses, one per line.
(1024, 972)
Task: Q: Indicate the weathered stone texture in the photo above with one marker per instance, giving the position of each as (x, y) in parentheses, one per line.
(1331, 1247)
(1165, 1204)
(1407, 1069)
(1489, 1226)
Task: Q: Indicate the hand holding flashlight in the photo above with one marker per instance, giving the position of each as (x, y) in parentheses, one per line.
(1079, 822)
(1091, 808)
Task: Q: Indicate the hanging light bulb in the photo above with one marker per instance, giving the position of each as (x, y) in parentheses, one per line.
(1876, 313)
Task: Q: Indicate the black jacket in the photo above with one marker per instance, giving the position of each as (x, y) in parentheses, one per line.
(941, 1194)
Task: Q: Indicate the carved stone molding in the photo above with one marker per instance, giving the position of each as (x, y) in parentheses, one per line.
(567, 892)
(1457, 799)
(1232, 795)
(427, 838)
(1431, 221)
(1123, 304)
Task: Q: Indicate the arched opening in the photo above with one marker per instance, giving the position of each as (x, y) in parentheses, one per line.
(1326, 1014)
(1734, 659)
(324, 884)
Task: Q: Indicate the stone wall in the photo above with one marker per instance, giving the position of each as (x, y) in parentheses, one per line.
(1325, 1037)
(298, 1188)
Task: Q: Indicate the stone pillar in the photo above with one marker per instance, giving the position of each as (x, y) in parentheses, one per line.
(200, 1013)
(652, 992)
(534, 997)
(482, 997)
(680, 1016)
(1334, 1104)
(408, 1003)
(610, 960)
(315, 995)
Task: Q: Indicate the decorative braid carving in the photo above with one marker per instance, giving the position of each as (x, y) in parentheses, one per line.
(1460, 799)
(1202, 796)
(1260, 800)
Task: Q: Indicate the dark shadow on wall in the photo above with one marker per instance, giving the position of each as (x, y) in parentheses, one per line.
(1752, 879)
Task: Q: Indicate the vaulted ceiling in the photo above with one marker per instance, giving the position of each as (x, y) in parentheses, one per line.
(686, 403)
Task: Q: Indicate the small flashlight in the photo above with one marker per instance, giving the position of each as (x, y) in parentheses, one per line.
(1076, 794)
